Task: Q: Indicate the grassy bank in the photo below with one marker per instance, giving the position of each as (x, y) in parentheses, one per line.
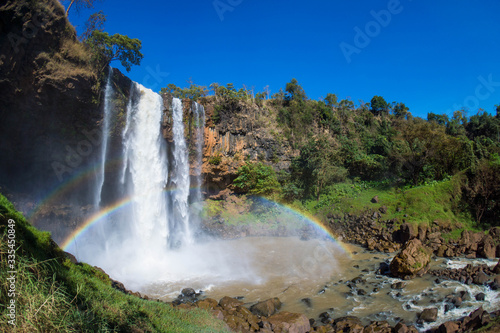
(54, 295)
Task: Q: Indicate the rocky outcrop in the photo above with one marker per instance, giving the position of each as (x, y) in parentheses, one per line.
(413, 260)
(370, 229)
(241, 133)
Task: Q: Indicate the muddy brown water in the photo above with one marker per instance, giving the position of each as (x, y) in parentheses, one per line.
(313, 276)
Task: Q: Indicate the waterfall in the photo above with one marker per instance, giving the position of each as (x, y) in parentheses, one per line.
(180, 178)
(108, 94)
(199, 127)
(146, 160)
(155, 215)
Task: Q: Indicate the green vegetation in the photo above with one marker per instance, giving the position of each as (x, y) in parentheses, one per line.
(257, 178)
(55, 295)
(441, 168)
(106, 49)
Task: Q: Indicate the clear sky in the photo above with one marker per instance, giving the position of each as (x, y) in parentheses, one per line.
(434, 56)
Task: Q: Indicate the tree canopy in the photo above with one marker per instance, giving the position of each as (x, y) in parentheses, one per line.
(108, 48)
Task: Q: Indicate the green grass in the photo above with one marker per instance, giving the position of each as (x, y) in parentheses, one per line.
(436, 201)
(55, 295)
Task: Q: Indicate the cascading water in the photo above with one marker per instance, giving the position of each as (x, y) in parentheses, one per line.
(108, 93)
(197, 200)
(180, 179)
(147, 170)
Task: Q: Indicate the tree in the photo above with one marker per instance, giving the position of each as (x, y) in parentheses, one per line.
(81, 4)
(108, 48)
(331, 100)
(94, 23)
(440, 119)
(257, 178)
(400, 110)
(379, 106)
(294, 91)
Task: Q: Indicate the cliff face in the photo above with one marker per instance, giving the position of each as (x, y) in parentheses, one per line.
(243, 132)
(50, 105)
(47, 98)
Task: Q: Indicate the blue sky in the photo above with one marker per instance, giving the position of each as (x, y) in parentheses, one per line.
(434, 56)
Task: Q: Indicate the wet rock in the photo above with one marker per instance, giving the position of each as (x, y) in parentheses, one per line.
(348, 324)
(378, 327)
(289, 322)
(307, 301)
(496, 269)
(480, 278)
(398, 285)
(413, 259)
(207, 304)
(384, 269)
(429, 315)
(188, 292)
(362, 292)
(495, 285)
(487, 248)
(228, 303)
(266, 308)
(449, 327)
(480, 297)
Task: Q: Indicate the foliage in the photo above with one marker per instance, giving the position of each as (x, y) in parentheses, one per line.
(257, 178)
(215, 159)
(482, 191)
(108, 48)
(194, 91)
(80, 4)
(378, 106)
(94, 23)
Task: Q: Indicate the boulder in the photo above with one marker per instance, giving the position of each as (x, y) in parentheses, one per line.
(480, 278)
(429, 315)
(348, 324)
(236, 324)
(266, 308)
(207, 304)
(408, 231)
(289, 322)
(449, 327)
(496, 269)
(378, 327)
(413, 259)
(487, 248)
(375, 199)
(228, 303)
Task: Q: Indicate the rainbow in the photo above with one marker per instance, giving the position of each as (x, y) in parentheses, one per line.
(109, 210)
(103, 213)
(311, 219)
(72, 184)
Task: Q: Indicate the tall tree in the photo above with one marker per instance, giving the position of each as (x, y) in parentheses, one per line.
(379, 106)
(116, 47)
(94, 23)
(294, 91)
(81, 4)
